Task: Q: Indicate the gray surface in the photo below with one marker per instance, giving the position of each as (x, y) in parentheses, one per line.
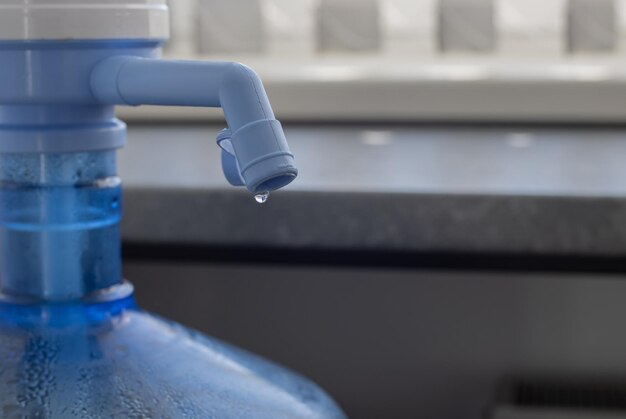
(465, 189)
(348, 25)
(592, 25)
(401, 343)
(467, 25)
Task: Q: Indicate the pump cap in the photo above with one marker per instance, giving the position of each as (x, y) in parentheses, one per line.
(27, 20)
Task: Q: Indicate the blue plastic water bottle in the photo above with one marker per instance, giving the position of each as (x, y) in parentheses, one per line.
(73, 343)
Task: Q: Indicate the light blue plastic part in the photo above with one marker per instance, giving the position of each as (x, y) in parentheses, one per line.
(105, 358)
(230, 166)
(258, 141)
(59, 224)
(73, 343)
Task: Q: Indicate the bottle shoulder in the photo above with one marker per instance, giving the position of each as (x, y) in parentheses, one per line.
(136, 361)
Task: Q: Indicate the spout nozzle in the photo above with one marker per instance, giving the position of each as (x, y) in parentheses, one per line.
(275, 182)
(262, 155)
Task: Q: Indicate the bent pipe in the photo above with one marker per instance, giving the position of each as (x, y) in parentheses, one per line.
(258, 143)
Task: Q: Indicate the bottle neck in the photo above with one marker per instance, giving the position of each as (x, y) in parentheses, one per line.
(100, 308)
(59, 219)
(59, 224)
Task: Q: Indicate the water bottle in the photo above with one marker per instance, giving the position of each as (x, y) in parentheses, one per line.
(73, 343)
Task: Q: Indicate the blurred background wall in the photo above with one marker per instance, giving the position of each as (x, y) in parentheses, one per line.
(455, 244)
(408, 60)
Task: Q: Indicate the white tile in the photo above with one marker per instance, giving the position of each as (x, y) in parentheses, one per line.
(592, 26)
(184, 30)
(466, 26)
(232, 26)
(531, 27)
(348, 25)
(409, 26)
(290, 26)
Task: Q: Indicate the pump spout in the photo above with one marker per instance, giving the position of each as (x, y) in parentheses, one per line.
(254, 137)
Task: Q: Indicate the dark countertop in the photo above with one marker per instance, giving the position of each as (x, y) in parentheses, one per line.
(471, 189)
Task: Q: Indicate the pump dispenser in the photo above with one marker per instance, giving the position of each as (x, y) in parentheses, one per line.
(73, 343)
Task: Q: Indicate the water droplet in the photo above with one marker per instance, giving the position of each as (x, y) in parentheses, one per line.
(261, 198)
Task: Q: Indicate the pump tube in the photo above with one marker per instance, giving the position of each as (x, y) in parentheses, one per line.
(258, 141)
